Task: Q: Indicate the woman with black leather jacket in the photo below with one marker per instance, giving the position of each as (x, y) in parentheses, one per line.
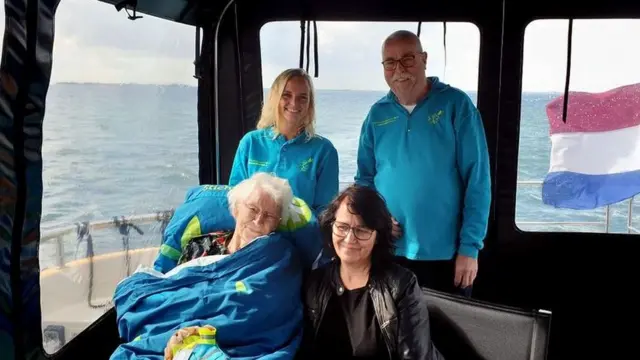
(362, 305)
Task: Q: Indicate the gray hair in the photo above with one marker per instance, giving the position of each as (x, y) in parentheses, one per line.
(276, 187)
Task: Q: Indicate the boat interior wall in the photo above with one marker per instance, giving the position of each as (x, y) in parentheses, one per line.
(24, 82)
(540, 269)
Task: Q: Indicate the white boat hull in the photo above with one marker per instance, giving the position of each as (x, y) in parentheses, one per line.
(66, 307)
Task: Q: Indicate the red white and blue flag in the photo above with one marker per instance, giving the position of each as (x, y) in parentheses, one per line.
(595, 155)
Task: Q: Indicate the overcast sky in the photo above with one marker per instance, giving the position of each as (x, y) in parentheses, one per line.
(94, 43)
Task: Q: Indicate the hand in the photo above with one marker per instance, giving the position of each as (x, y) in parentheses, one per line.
(396, 231)
(466, 271)
(178, 338)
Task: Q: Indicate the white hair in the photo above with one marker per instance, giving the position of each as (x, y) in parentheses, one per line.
(276, 187)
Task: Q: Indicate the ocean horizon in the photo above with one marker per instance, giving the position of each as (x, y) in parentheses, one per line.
(526, 92)
(113, 150)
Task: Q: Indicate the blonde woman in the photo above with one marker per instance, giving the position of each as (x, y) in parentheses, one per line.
(285, 143)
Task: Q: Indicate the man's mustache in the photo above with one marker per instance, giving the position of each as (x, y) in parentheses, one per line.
(402, 77)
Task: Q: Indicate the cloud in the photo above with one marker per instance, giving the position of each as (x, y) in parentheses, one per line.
(604, 55)
(97, 24)
(349, 53)
(94, 43)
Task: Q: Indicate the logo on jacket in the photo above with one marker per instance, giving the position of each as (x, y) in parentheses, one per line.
(305, 164)
(435, 117)
(258, 163)
(385, 121)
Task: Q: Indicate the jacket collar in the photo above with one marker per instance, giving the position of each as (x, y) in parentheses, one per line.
(436, 86)
(337, 286)
(301, 136)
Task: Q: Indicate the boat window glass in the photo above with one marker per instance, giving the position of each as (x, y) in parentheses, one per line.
(580, 175)
(120, 140)
(351, 77)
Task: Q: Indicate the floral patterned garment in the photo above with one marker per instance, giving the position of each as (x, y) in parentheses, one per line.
(214, 243)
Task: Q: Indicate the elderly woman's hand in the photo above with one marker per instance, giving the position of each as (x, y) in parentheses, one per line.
(178, 338)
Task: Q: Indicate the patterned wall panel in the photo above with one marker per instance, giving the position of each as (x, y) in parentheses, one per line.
(25, 72)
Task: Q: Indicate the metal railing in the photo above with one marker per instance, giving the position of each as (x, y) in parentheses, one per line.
(607, 215)
(57, 235)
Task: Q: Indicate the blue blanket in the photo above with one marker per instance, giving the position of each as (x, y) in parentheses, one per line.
(252, 297)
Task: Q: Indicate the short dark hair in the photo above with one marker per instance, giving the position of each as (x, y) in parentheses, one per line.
(367, 203)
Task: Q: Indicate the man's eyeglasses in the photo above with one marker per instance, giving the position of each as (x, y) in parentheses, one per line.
(255, 212)
(406, 61)
(342, 230)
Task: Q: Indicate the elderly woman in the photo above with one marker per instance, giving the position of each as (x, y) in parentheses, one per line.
(257, 205)
(286, 144)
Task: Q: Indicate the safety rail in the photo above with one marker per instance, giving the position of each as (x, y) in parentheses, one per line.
(607, 215)
(163, 217)
(82, 229)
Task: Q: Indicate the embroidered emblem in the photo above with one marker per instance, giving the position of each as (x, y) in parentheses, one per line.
(305, 164)
(385, 121)
(216, 187)
(258, 163)
(435, 117)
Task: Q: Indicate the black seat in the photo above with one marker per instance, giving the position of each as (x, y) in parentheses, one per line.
(495, 332)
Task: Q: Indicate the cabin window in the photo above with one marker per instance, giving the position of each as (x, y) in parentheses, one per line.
(582, 175)
(350, 72)
(120, 139)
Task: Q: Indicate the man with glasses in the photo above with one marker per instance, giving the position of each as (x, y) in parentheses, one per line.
(423, 147)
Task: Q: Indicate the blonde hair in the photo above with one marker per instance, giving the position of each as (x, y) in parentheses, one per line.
(277, 188)
(271, 116)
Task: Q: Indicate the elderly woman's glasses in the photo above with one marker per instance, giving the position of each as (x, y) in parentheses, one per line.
(254, 211)
(406, 61)
(342, 230)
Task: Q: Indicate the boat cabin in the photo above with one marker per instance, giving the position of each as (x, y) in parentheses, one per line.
(112, 109)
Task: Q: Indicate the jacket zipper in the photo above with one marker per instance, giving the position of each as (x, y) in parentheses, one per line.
(382, 329)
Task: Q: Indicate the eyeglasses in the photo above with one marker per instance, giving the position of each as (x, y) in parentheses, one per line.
(255, 212)
(342, 230)
(406, 61)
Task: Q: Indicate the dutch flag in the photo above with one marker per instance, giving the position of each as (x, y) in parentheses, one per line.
(595, 155)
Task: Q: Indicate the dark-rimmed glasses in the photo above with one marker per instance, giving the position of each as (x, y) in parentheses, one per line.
(342, 230)
(406, 61)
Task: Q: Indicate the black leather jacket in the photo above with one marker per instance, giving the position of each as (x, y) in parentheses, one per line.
(399, 304)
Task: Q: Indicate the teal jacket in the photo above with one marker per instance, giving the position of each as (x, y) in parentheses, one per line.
(310, 164)
(432, 168)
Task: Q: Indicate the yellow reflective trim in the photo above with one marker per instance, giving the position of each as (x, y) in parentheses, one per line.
(188, 343)
(170, 252)
(192, 341)
(192, 230)
(207, 331)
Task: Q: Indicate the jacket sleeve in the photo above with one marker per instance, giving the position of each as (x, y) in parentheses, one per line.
(239, 169)
(327, 182)
(366, 160)
(473, 165)
(414, 329)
